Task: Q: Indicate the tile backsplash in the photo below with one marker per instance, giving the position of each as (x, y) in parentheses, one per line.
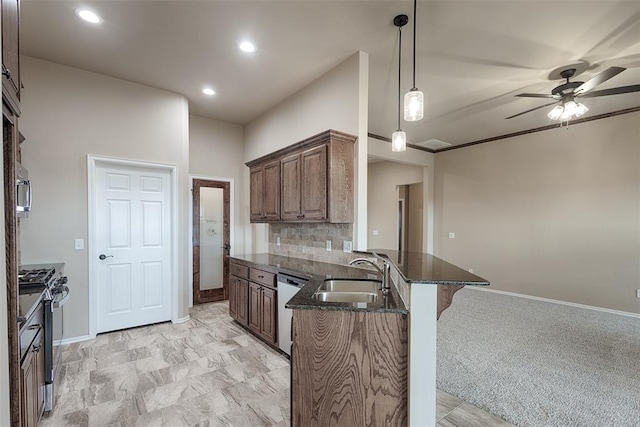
(308, 241)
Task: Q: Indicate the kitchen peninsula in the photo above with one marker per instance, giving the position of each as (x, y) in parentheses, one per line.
(352, 362)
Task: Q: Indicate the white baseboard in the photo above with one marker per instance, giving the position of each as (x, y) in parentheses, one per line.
(555, 301)
(181, 320)
(76, 339)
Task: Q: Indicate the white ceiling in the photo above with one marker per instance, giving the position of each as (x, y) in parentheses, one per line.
(473, 55)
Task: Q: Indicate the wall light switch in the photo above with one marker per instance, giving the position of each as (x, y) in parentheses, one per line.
(346, 246)
(328, 245)
(471, 270)
(637, 293)
(278, 241)
(452, 235)
(375, 232)
(79, 244)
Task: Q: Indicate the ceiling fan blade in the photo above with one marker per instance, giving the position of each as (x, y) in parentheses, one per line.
(612, 91)
(535, 95)
(528, 111)
(598, 79)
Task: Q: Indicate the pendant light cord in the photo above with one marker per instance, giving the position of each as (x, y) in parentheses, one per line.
(415, 4)
(399, 63)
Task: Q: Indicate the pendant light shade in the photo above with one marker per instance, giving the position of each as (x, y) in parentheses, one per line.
(399, 137)
(414, 99)
(413, 105)
(399, 141)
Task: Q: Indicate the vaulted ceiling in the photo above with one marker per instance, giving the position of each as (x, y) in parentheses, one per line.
(473, 56)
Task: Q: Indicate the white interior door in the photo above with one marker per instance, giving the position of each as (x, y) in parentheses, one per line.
(133, 242)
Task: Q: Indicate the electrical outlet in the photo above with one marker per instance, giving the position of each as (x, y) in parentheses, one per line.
(375, 232)
(452, 235)
(346, 246)
(328, 245)
(278, 241)
(79, 244)
(471, 270)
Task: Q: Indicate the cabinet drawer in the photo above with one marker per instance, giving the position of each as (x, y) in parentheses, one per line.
(30, 330)
(263, 277)
(239, 270)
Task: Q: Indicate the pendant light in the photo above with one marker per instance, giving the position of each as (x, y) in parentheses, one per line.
(399, 137)
(414, 99)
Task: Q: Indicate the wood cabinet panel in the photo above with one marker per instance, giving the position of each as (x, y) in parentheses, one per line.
(349, 368)
(233, 296)
(11, 83)
(271, 189)
(269, 307)
(290, 188)
(32, 383)
(242, 302)
(263, 277)
(313, 179)
(255, 194)
(239, 270)
(255, 301)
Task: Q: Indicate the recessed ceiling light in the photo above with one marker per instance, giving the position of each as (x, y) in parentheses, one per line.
(208, 91)
(247, 47)
(88, 16)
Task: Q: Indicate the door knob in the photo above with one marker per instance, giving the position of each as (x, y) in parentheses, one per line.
(103, 257)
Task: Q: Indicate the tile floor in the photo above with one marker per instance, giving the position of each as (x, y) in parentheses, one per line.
(205, 372)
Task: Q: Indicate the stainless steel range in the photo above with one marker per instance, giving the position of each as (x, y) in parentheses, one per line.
(55, 293)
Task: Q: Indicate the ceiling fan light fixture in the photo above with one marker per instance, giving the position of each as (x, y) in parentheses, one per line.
(413, 105)
(580, 109)
(556, 112)
(398, 141)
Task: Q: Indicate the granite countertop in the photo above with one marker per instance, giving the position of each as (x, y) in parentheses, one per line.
(316, 272)
(418, 267)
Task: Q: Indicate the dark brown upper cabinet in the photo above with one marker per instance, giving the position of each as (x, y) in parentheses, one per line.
(11, 54)
(264, 192)
(315, 181)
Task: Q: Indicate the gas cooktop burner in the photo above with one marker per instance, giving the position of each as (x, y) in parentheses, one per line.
(41, 277)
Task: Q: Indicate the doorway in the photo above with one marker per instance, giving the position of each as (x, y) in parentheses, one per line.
(211, 243)
(410, 217)
(131, 243)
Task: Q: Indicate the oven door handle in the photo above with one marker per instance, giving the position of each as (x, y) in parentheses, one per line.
(63, 300)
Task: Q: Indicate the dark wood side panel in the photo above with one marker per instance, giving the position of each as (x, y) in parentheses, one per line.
(255, 301)
(243, 302)
(233, 296)
(269, 308)
(10, 144)
(341, 181)
(349, 368)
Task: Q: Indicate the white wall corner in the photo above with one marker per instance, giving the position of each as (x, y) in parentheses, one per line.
(361, 184)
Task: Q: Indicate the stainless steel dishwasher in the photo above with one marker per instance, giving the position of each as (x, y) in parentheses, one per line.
(288, 286)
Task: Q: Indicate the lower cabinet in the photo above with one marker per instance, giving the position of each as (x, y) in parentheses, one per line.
(262, 311)
(32, 382)
(253, 300)
(238, 299)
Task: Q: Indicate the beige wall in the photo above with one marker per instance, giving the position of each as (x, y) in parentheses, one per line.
(333, 101)
(554, 214)
(215, 150)
(68, 114)
(384, 177)
(415, 213)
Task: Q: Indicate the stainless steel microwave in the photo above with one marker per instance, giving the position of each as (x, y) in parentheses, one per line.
(23, 192)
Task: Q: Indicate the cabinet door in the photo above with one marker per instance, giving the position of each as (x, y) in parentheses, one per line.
(269, 307)
(314, 184)
(254, 307)
(255, 195)
(10, 49)
(271, 191)
(30, 393)
(40, 375)
(242, 302)
(233, 296)
(290, 187)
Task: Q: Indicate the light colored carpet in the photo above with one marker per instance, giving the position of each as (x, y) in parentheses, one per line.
(535, 363)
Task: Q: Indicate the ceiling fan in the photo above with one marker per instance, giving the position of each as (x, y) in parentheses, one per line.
(567, 93)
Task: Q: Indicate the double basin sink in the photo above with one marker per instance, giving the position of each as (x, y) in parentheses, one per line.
(349, 290)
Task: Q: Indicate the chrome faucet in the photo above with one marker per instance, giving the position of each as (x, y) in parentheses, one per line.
(385, 272)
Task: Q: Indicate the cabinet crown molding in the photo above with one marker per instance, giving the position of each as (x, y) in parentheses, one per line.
(321, 138)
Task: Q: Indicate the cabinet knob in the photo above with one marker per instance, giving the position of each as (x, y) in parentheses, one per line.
(6, 72)
(36, 348)
(34, 327)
